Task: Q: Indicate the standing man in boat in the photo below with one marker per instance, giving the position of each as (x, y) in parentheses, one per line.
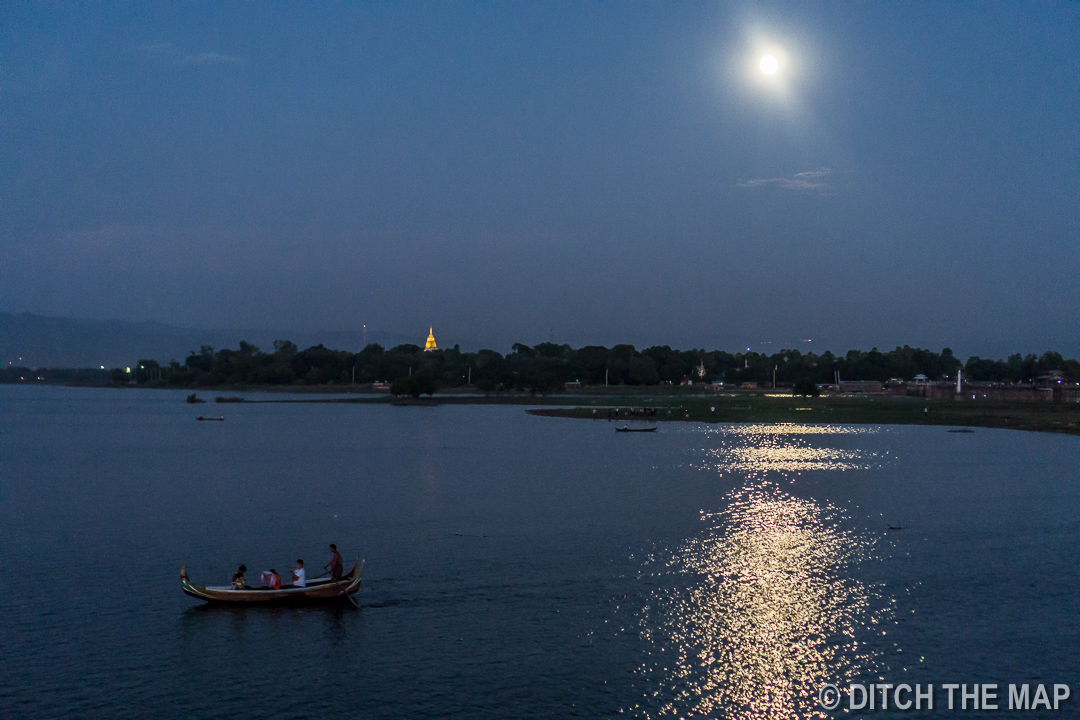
(299, 577)
(335, 565)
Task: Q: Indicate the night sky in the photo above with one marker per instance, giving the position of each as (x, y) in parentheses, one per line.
(606, 172)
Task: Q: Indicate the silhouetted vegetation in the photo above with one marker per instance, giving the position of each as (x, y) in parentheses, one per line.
(414, 385)
(546, 367)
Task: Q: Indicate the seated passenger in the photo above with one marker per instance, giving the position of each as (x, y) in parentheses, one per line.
(238, 578)
(270, 579)
(299, 577)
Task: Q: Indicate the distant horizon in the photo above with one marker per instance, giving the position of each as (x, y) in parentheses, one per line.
(982, 347)
(264, 337)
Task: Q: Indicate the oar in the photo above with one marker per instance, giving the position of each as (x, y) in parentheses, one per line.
(345, 592)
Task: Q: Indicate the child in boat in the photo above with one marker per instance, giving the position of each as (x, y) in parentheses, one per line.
(299, 576)
(270, 579)
(238, 578)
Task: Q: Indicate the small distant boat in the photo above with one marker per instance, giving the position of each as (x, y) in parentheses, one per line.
(624, 428)
(217, 419)
(316, 590)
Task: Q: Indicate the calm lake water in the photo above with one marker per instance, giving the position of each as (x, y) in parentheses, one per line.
(517, 566)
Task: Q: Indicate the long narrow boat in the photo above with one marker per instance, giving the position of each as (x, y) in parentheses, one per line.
(315, 590)
(630, 429)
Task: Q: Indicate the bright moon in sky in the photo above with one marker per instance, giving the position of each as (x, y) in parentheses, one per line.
(769, 65)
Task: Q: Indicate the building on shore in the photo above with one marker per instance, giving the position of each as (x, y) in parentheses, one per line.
(430, 344)
(995, 391)
(860, 386)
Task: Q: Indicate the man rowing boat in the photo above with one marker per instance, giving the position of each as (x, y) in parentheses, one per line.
(335, 565)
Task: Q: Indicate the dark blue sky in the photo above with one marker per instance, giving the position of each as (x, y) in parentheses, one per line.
(620, 172)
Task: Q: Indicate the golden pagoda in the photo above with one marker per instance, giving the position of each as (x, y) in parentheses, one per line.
(430, 344)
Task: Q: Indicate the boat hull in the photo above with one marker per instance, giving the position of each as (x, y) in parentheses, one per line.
(315, 591)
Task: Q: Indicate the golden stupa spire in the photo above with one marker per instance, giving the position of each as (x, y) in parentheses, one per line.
(430, 344)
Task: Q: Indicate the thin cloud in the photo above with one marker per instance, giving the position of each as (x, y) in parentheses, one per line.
(168, 51)
(160, 49)
(210, 58)
(803, 181)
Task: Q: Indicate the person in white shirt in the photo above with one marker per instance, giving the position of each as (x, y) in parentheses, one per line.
(299, 577)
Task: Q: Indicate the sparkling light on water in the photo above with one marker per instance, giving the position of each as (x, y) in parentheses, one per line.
(763, 606)
(757, 430)
(780, 448)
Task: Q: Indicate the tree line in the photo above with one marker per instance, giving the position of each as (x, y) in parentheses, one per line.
(548, 366)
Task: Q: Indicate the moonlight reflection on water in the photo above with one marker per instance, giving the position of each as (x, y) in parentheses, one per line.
(781, 448)
(764, 607)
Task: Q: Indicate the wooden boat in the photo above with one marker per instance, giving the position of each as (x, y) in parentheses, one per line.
(624, 428)
(217, 419)
(315, 591)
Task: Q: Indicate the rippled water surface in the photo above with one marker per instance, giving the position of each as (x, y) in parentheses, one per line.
(519, 566)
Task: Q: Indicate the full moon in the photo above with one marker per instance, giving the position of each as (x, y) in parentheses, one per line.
(769, 65)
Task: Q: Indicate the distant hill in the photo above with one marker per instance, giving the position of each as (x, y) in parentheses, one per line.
(66, 342)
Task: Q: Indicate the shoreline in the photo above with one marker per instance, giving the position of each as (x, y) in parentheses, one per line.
(733, 407)
(883, 410)
(1061, 418)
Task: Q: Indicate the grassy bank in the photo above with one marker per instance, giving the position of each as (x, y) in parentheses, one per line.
(875, 410)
